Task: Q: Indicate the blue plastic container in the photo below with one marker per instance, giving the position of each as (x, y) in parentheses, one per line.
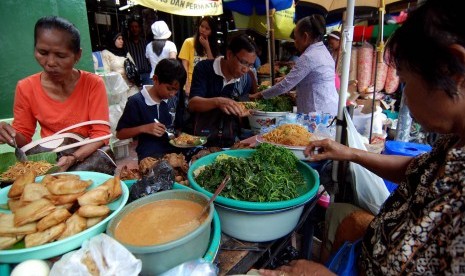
(404, 149)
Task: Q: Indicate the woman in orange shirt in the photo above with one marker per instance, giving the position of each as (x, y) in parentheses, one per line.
(60, 95)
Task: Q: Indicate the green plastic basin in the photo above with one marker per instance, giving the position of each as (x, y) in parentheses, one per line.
(307, 192)
(157, 259)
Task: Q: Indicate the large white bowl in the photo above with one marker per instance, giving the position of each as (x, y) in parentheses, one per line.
(258, 226)
(259, 119)
(60, 247)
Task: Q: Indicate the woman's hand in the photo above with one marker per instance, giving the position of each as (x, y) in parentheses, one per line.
(327, 149)
(205, 43)
(298, 268)
(156, 129)
(65, 162)
(256, 96)
(7, 133)
(278, 79)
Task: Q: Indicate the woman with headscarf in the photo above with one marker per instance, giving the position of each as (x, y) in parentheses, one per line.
(160, 48)
(113, 61)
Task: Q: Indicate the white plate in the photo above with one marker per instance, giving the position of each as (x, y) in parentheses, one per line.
(203, 141)
(298, 151)
(60, 247)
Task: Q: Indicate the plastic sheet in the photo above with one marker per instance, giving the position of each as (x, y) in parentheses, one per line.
(160, 178)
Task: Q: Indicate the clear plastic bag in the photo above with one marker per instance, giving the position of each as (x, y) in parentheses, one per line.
(109, 257)
(198, 267)
(370, 190)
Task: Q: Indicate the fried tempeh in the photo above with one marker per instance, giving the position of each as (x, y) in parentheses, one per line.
(44, 237)
(7, 242)
(33, 211)
(74, 225)
(34, 191)
(63, 186)
(90, 211)
(94, 197)
(52, 219)
(117, 190)
(8, 228)
(68, 176)
(63, 199)
(18, 186)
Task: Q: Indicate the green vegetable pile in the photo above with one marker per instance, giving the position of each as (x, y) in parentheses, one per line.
(269, 174)
(276, 104)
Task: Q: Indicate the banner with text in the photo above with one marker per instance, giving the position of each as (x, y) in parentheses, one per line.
(185, 7)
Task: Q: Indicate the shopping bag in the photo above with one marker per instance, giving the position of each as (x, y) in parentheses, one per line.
(344, 262)
(63, 142)
(369, 188)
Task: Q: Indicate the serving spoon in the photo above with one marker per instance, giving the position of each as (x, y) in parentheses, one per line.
(225, 181)
(170, 135)
(19, 153)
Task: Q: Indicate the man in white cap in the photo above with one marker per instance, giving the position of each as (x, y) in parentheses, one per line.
(160, 47)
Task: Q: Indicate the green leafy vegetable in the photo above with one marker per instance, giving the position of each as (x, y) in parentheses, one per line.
(276, 104)
(269, 174)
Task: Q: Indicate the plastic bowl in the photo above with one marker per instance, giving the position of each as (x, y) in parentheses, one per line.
(259, 119)
(215, 235)
(157, 259)
(60, 247)
(312, 182)
(258, 226)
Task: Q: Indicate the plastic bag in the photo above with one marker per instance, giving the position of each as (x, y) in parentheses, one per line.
(109, 257)
(116, 87)
(369, 188)
(160, 178)
(198, 267)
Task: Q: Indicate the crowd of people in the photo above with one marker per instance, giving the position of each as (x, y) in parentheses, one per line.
(420, 228)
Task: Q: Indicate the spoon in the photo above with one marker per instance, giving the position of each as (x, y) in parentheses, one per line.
(20, 155)
(170, 135)
(218, 190)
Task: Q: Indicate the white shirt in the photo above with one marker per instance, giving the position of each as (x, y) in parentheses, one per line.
(165, 53)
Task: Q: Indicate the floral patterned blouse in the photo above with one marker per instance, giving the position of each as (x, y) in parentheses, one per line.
(421, 228)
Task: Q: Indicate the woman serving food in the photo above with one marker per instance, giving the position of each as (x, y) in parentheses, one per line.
(60, 95)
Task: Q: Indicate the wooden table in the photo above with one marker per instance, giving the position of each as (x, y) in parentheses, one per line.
(238, 257)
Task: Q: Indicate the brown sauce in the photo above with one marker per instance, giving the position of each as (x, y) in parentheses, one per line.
(158, 222)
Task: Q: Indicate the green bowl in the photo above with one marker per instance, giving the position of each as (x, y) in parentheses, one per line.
(215, 235)
(60, 247)
(306, 193)
(159, 258)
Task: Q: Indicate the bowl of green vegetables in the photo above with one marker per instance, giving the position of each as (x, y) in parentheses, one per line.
(268, 184)
(267, 112)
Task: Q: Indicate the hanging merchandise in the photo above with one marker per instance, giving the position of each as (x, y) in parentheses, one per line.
(379, 72)
(364, 66)
(392, 80)
(353, 64)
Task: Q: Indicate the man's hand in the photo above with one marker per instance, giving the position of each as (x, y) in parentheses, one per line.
(156, 129)
(256, 96)
(231, 107)
(7, 133)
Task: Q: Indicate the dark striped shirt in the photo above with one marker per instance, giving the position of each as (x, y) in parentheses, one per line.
(137, 51)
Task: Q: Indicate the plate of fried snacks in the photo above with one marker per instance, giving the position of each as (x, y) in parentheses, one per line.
(50, 215)
(185, 140)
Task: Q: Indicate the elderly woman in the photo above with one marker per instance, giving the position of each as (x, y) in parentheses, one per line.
(60, 95)
(313, 73)
(421, 227)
